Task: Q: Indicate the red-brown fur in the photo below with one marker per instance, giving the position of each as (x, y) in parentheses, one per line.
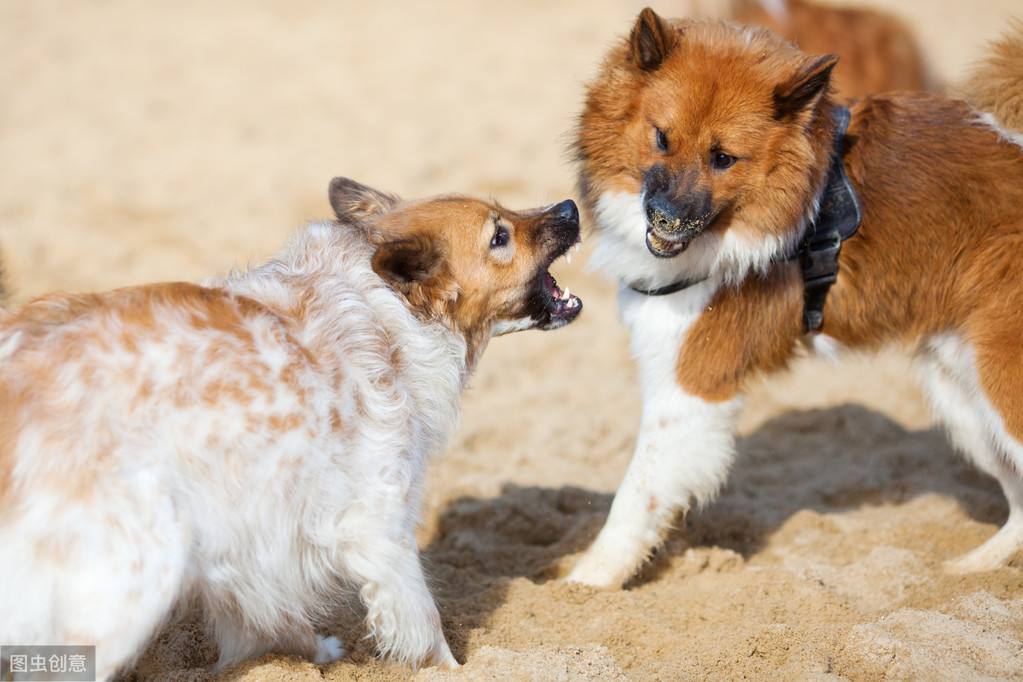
(713, 365)
(935, 251)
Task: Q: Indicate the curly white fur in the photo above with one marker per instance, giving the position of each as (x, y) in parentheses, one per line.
(150, 450)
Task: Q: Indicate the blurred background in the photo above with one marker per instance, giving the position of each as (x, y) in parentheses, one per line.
(172, 141)
(147, 141)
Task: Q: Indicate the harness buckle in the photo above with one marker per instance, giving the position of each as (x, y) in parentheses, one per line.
(819, 257)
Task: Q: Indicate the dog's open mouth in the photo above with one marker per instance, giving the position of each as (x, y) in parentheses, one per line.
(562, 305)
(665, 246)
(667, 239)
(558, 306)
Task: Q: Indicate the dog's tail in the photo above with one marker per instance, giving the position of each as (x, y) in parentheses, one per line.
(996, 84)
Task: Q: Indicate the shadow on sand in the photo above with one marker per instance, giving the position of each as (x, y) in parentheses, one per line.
(823, 460)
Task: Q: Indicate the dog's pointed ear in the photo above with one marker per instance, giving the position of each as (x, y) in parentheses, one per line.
(353, 202)
(651, 40)
(805, 87)
(407, 262)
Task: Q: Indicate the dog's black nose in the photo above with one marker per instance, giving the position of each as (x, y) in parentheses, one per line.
(662, 213)
(566, 211)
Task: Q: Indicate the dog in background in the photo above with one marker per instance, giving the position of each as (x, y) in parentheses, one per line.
(704, 149)
(877, 52)
(259, 442)
(996, 85)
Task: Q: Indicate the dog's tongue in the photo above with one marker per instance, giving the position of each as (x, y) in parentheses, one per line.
(552, 286)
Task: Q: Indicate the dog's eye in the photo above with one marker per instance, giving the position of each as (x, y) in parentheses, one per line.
(722, 161)
(500, 237)
(662, 139)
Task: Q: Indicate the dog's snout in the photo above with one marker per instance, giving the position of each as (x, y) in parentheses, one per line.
(675, 203)
(560, 222)
(663, 214)
(566, 212)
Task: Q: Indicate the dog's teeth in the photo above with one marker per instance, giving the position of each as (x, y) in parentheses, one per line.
(566, 295)
(578, 245)
(568, 257)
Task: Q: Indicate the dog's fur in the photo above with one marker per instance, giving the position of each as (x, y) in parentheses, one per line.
(935, 265)
(996, 85)
(258, 442)
(877, 51)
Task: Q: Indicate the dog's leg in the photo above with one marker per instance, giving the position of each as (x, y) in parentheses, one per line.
(261, 622)
(401, 613)
(114, 583)
(1007, 542)
(951, 385)
(328, 649)
(238, 641)
(100, 604)
(683, 453)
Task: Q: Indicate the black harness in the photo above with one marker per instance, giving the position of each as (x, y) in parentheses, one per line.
(838, 217)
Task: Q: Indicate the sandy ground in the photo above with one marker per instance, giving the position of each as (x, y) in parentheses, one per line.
(155, 141)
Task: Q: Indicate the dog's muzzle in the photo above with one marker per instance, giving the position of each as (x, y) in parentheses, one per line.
(668, 231)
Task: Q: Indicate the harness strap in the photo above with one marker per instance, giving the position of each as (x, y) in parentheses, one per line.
(667, 288)
(838, 217)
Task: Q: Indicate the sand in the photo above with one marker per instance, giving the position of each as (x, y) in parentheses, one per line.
(145, 141)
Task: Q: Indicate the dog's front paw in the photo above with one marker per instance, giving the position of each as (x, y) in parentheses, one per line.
(328, 650)
(998, 552)
(596, 572)
(442, 658)
(972, 562)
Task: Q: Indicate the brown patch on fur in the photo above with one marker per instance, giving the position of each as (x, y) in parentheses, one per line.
(143, 395)
(291, 374)
(285, 423)
(66, 324)
(136, 307)
(335, 420)
(877, 51)
(360, 406)
(219, 391)
(41, 315)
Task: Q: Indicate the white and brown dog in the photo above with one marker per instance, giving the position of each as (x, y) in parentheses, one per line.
(259, 441)
(705, 151)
